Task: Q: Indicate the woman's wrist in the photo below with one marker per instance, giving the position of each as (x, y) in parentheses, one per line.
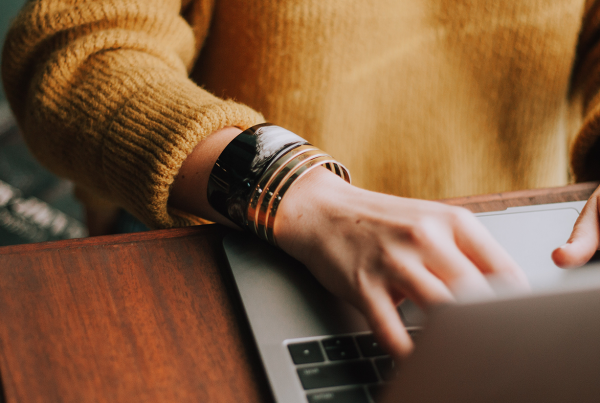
(315, 197)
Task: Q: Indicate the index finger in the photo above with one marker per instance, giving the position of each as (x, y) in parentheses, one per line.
(475, 241)
(383, 317)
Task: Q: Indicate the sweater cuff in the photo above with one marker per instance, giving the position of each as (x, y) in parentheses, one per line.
(152, 135)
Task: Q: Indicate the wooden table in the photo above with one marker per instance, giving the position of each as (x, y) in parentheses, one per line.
(149, 317)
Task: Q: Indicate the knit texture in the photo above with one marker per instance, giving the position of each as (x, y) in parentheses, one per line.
(102, 93)
(419, 98)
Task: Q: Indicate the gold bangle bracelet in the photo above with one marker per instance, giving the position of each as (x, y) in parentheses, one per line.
(278, 181)
(265, 194)
(265, 181)
(300, 171)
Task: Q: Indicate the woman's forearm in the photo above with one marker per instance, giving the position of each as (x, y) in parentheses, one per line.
(188, 192)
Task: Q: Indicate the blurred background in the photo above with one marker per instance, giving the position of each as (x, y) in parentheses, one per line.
(35, 206)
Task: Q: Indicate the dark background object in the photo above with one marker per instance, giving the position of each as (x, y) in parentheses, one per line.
(35, 205)
(8, 11)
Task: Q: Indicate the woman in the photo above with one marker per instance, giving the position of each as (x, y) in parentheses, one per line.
(420, 99)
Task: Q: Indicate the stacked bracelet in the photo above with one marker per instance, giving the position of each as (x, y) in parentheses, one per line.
(255, 171)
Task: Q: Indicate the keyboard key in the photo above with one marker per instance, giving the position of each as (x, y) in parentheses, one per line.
(386, 368)
(339, 396)
(414, 334)
(306, 353)
(339, 374)
(340, 348)
(369, 347)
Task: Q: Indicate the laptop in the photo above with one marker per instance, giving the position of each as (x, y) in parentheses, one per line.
(317, 348)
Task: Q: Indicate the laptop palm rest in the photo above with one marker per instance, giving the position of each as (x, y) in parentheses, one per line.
(287, 301)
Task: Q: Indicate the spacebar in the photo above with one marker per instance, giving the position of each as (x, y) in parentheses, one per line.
(346, 373)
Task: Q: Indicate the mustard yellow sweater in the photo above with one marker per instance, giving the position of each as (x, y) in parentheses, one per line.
(419, 98)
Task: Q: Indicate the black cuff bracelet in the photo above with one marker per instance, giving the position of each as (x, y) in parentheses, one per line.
(255, 170)
(241, 165)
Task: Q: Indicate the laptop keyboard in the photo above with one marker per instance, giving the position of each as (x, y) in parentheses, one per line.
(349, 368)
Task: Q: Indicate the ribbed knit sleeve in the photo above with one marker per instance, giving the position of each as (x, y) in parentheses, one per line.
(585, 150)
(102, 94)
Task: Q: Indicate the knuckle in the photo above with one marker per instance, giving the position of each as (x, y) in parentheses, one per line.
(395, 269)
(460, 216)
(425, 232)
(389, 260)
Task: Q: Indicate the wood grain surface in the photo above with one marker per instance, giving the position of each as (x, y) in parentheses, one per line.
(138, 318)
(148, 317)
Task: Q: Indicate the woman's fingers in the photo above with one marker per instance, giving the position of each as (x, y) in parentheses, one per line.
(380, 310)
(485, 252)
(462, 277)
(435, 239)
(418, 284)
(584, 239)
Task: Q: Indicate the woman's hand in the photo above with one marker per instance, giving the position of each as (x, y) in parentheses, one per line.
(374, 250)
(371, 249)
(585, 238)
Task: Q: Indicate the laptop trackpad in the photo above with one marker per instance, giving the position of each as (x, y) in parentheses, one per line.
(530, 237)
